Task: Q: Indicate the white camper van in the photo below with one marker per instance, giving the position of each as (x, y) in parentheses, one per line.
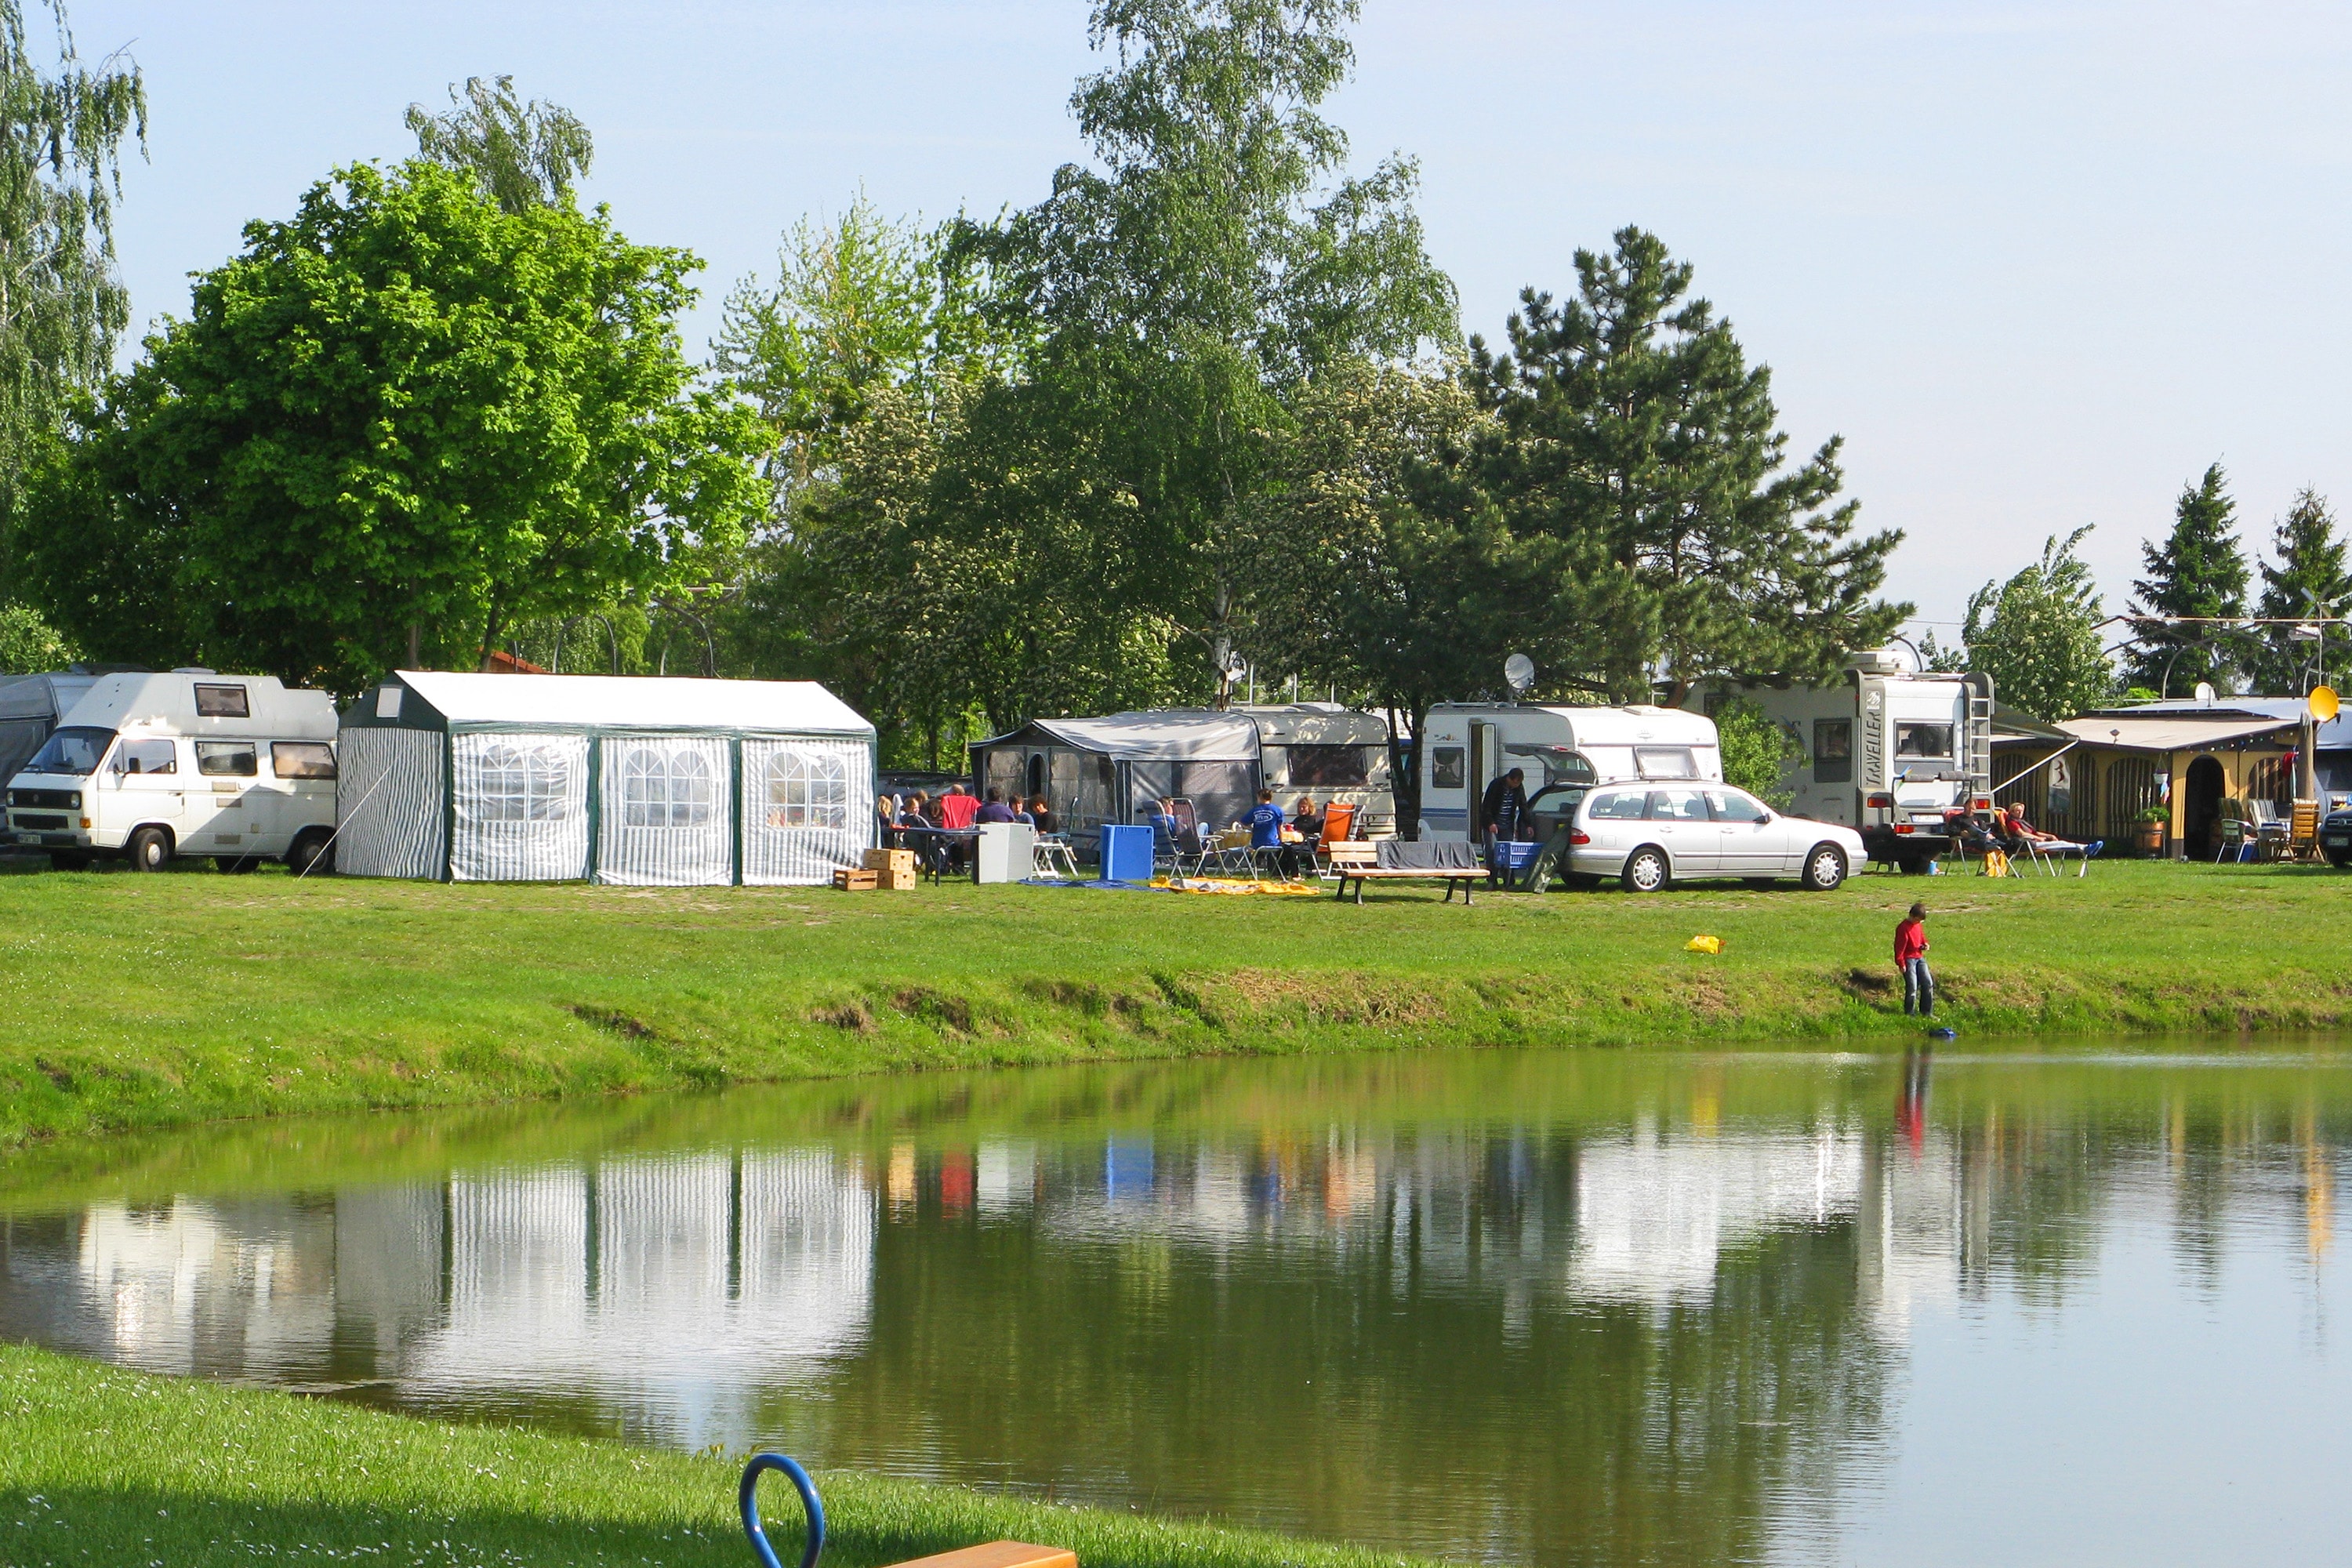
(1887, 751)
(1563, 752)
(148, 767)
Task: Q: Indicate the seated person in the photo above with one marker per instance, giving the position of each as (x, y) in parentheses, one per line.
(1041, 818)
(957, 808)
(1306, 820)
(994, 810)
(916, 832)
(2022, 834)
(1299, 857)
(1265, 823)
(1165, 829)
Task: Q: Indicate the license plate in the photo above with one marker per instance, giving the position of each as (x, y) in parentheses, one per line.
(2338, 840)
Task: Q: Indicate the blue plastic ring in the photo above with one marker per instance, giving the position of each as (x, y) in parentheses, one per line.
(747, 1497)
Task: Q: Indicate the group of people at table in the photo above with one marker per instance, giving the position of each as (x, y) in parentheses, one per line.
(1285, 843)
(940, 829)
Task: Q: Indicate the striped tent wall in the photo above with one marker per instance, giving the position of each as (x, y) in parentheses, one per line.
(521, 806)
(661, 806)
(807, 808)
(389, 791)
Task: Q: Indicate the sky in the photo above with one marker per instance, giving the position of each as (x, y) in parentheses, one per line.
(2038, 264)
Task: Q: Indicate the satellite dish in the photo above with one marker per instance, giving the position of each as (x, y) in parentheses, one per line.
(2205, 691)
(2323, 703)
(1520, 671)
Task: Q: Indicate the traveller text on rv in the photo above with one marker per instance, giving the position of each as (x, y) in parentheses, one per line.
(150, 767)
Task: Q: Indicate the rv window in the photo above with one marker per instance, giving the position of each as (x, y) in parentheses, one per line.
(1832, 751)
(73, 752)
(1329, 767)
(228, 759)
(1925, 741)
(1676, 806)
(1624, 808)
(146, 757)
(1445, 767)
(808, 789)
(1665, 762)
(222, 702)
(302, 759)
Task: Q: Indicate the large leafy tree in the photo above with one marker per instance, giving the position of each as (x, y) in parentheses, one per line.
(2196, 577)
(404, 414)
(521, 155)
(2037, 635)
(62, 303)
(2307, 580)
(1372, 559)
(1636, 424)
(1213, 254)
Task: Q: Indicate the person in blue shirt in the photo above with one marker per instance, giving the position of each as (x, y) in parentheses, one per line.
(1265, 823)
(1164, 827)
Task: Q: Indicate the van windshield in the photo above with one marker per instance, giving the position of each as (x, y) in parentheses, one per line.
(77, 751)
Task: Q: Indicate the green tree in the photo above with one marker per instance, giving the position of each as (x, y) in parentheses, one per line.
(27, 645)
(1757, 752)
(522, 155)
(1372, 562)
(1213, 255)
(2037, 636)
(2310, 581)
(1634, 422)
(401, 411)
(2197, 573)
(1940, 658)
(62, 304)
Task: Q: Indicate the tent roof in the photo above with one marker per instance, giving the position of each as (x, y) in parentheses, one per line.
(41, 696)
(637, 702)
(2170, 732)
(1174, 736)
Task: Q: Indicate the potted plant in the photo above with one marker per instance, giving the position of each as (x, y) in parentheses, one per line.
(2155, 823)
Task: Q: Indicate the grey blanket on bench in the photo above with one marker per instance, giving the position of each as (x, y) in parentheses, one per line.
(1445, 855)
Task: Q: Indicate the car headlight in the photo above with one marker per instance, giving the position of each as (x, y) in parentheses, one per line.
(77, 800)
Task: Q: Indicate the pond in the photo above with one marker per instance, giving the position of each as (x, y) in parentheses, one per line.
(1575, 1307)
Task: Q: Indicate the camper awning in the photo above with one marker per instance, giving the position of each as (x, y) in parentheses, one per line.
(637, 702)
(1157, 737)
(2172, 734)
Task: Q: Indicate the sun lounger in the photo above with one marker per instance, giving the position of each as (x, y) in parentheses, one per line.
(1394, 860)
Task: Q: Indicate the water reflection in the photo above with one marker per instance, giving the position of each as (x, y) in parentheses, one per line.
(1551, 1308)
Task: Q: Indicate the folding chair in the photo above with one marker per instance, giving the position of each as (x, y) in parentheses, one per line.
(1339, 826)
(1051, 856)
(1191, 847)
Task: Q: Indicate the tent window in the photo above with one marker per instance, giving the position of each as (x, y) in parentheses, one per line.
(524, 784)
(808, 789)
(673, 790)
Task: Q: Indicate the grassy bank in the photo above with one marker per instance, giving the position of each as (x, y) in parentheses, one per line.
(102, 1466)
(139, 1001)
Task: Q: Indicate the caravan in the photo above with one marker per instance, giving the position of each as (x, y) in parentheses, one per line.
(1563, 752)
(1887, 751)
(150, 767)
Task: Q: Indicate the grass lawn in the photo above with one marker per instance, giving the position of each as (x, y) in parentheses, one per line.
(98, 1466)
(142, 1001)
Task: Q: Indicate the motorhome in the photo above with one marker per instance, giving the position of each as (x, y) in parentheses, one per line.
(1561, 752)
(1886, 749)
(149, 768)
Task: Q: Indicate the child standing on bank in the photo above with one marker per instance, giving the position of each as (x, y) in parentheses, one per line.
(1911, 958)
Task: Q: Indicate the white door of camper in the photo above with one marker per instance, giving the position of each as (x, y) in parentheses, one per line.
(1486, 765)
(217, 817)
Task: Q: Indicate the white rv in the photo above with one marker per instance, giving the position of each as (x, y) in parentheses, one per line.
(151, 767)
(1563, 752)
(1887, 751)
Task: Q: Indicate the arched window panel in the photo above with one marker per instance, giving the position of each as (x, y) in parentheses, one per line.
(664, 816)
(520, 805)
(801, 809)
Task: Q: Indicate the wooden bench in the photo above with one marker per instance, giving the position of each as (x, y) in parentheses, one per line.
(1359, 861)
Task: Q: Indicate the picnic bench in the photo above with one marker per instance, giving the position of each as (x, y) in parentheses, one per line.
(1395, 860)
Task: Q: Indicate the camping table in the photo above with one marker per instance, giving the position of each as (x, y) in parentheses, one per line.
(943, 840)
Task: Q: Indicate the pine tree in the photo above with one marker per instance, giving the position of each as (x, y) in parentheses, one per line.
(2311, 581)
(2197, 574)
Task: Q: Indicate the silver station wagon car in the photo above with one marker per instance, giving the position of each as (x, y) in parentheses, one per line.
(1651, 834)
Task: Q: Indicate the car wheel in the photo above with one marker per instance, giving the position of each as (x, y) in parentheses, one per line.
(1646, 871)
(310, 853)
(2341, 862)
(1824, 868)
(149, 850)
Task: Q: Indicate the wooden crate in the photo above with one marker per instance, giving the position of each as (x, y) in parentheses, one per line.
(887, 860)
(897, 881)
(850, 881)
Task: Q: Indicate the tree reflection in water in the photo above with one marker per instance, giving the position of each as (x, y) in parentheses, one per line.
(1555, 1307)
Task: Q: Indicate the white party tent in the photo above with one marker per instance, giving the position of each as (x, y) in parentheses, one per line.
(641, 780)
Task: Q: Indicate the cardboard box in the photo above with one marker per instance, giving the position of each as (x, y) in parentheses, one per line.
(850, 881)
(897, 881)
(890, 860)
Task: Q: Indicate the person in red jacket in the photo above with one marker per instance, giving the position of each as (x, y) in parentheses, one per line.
(1911, 958)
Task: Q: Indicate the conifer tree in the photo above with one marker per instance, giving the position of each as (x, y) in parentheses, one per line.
(2311, 580)
(2197, 574)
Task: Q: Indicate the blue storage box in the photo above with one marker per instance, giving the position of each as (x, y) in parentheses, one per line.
(1126, 853)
